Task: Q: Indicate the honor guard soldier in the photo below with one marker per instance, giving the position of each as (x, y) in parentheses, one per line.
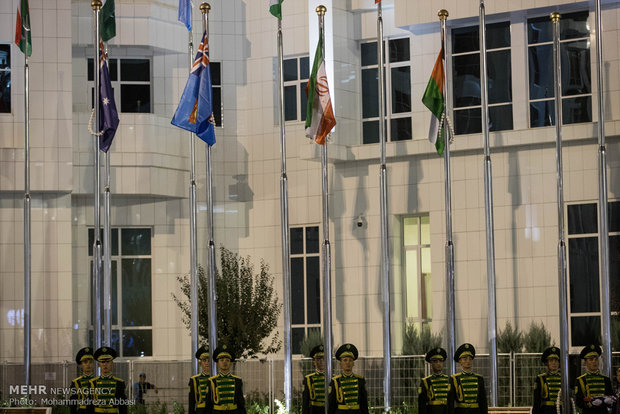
(199, 384)
(470, 396)
(434, 396)
(80, 386)
(108, 392)
(548, 384)
(225, 389)
(593, 392)
(313, 394)
(347, 391)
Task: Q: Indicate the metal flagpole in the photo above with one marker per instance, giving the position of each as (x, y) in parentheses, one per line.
(385, 248)
(284, 224)
(562, 283)
(96, 6)
(205, 8)
(449, 249)
(27, 222)
(488, 207)
(603, 223)
(326, 247)
(107, 251)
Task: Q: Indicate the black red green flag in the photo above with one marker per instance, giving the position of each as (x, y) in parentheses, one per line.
(23, 39)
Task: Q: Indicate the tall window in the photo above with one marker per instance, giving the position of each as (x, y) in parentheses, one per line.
(305, 283)
(467, 102)
(583, 266)
(296, 74)
(216, 83)
(575, 62)
(417, 268)
(132, 330)
(131, 81)
(397, 87)
(5, 78)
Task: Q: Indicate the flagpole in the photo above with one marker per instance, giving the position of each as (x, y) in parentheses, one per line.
(326, 246)
(488, 207)
(96, 269)
(107, 250)
(284, 224)
(449, 248)
(603, 223)
(385, 248)
(562, 282)
(205, 8)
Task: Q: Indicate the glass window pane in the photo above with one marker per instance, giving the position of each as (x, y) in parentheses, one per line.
(465, 39)
(498, 35)
(113, 67)
(399, 50)
(216, 73)
(136, 242)
(585, 330)
(541, 72)
(584, 280)
(289, 67)
(426, 260)
(312, 239)
(137, 342)
(400, 129)
(5, 56)
(290, 103)
(304, 68)
(542, 113)
(297, 240)
(466, 71)
(582, 218)
(370, 132)
(500, 118)
(425, 231)
(500, 77)
(467, 121)
(313, 292)
(413, 294)
(136, 285)
(410, 230)
(539, 30)
(574, 25)
(5, 92)
(614, 271)
(576, 68)
(614, 216)
(135, 70)
(297, 290)
(576, 110)
(401, 89)
(304, 100)
(114, 291)
(369, 53)
(136, 98)
(297, 335)
(370, 93)
(217, 106)
(114, 235)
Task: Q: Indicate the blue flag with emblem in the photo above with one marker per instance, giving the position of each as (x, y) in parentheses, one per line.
(108, 115)
(195, 110)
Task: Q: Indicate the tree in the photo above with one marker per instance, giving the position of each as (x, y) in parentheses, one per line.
(418, 343)
(247, 306)
(537, 339)
(509, 339)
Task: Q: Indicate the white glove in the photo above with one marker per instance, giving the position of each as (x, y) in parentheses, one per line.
(597, 402)
(609, 400)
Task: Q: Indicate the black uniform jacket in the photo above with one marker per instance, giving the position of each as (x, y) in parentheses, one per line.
(347, 395)
(313, 394)
(435, 395)
(546, 388)
(470, 395)
(225, 395)
(198, 394)
(79, 394)
(592, 385)
(109, 396)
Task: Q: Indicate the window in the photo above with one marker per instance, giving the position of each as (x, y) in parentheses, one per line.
(132, 77)
(5, 78)
(575, 62)
(467, 102)
(398, 91)
(417, 268)
(584, 287)
(296, 74)
(305, 283)
(216, 83)
(132, 331)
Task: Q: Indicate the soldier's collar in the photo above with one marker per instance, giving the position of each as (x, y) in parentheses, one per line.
(348, 376)
(597, 372)
(467, 372)
(320, 372)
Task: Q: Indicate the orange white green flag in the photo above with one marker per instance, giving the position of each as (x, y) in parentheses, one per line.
(320, 118)
(23, 39)
(434, 100)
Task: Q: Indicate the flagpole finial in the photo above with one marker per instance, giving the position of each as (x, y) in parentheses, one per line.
(321, 10)
(443, 14)
(555, 16)
(205, 7)
(96, 4)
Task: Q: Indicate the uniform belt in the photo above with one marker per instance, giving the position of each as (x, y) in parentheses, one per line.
(438, 402)
(225, 407)
(317, 403)
(550, 403)
(466, 405)
(201, 405)
(348, 406)
(106, 410)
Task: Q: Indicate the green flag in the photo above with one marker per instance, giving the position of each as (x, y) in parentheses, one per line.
(275, 8)
(107, 21)
(22, 29)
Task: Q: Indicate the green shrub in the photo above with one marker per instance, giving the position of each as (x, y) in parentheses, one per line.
(537, 338)
(418, 343)
(509, 339)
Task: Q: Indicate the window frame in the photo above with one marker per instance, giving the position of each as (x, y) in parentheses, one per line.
(424, 299)
(8, 70)
(300, 90)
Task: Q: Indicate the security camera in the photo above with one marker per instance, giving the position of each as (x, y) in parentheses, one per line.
(359, 221)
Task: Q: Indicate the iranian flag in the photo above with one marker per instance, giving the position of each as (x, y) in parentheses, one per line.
(23, 40)
(275, 8)
(320, 116)
(434, 100)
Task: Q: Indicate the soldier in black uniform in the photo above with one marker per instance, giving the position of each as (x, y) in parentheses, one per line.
(470, 395)
(548, 384)
(80, 386)
(199, 384)
(347, 391)
(434, 396)
(108, 392)
(225, 389)
(593, 391)
(313, 394)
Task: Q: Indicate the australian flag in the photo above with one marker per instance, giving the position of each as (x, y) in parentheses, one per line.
(108, 115)
(195, 111)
